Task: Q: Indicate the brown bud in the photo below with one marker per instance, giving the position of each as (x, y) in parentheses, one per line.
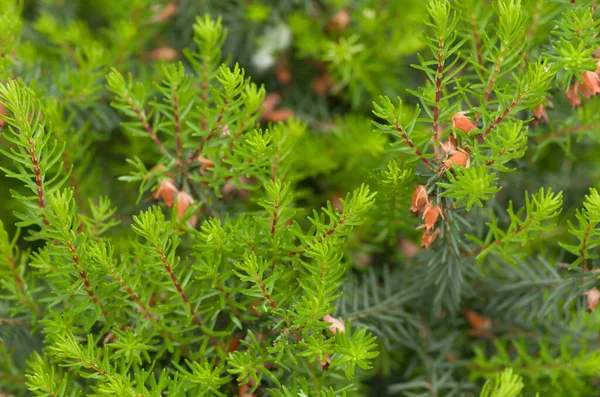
(462, 122)
(278, 115)
(228, 188)
(431, 214)
(460, 158)
(205, 163)
(163, 54)
(336, 325)
(408, 248)
(480, 325)
(429, 237)
(572, 95)
(450, 146)
(245, 391)
(322, 84)
(339, 22)
(234, 343)
(283, 72)
(271, 101)
(590, 85)
(477, 321)
(419, 198)
(539, 112)
(157, 167)
(110, 337)
(364, 260)
(593, 297)
(165, 191)
(169, 10)
(336, 203)
(184, 200)
(325, 361)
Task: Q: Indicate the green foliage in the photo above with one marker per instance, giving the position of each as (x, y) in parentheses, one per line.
(470, 186)
(575, 42)
(222, 198)
(546, 370)
(585, 232)
(538, 214)
(506, 384)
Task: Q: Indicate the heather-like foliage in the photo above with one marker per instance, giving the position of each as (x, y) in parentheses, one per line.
(273, 198)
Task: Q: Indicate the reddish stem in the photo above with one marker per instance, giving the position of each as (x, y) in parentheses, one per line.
(181, 292)
(584, 248)
(498, 120)
(438, 90)
(211, 134)
(142, 118)
(497, 242)
(38, 179)
(147, 312)
(568, 131)
(264, 291)
(21, 287)
(410, 143)
(329, 232)
(274, 222)
(84, 277)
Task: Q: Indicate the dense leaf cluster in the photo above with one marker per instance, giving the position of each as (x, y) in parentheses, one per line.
(222, 198)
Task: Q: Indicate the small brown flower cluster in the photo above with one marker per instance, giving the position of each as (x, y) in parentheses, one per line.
(592, 299)
(429, 212)
(162, 15)
(168, 192)
(589, 87)
(539, 113)
(270, 113)
(454, 154)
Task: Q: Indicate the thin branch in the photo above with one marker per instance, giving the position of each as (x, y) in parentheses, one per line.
(264, 291)
(518, 231)
(498, 120)
(38, 179)
(147, 312)
(328, 233)
(410, 143)
(583, 249)
(568, 131)
(84, 277)
(438, 90)
(182, 294)
(274, 222)
(20, 285)
(211, 134)
(142, 118)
